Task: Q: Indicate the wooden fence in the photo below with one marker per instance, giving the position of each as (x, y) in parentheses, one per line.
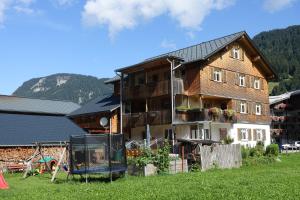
(220, 156)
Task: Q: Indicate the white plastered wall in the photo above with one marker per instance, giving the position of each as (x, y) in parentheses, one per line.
(234, 133)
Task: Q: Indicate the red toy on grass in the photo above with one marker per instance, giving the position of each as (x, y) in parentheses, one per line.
(3, 184)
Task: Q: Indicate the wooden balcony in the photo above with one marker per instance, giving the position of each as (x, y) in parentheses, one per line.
(154, 89)
(203, 115)
(159, 88)
(152, 118)
(138, 92)
(159, 117)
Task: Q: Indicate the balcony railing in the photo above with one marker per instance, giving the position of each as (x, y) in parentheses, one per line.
(159, 88)
(204, 115)
(151, 118)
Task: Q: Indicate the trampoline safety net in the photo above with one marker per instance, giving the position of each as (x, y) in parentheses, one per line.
(103, 153)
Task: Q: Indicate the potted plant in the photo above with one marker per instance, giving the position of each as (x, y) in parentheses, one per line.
(214, 112)
(229, 113)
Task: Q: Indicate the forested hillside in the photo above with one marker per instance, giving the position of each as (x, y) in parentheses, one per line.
(282, 49)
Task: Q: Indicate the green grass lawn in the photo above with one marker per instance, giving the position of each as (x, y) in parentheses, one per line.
(280, 180)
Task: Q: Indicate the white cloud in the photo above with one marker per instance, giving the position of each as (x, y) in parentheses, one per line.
(4, 4)
(166, 44)
(126, 14)
(276, 5)
(26, 2)
(24, 10)
(63, 2)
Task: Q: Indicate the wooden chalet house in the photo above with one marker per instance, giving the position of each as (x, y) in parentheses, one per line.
(285, 117)
(203, 92)
(88, 116)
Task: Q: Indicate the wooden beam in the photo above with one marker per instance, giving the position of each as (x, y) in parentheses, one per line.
(256, 58)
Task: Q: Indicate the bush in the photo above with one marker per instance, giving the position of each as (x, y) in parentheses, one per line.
(228, 140)
(272, 150)
(161, 159)
(263, 160)
(245, 152)
(257, 151)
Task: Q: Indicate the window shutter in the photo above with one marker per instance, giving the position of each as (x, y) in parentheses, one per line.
(237, 78)
(253, 108)
(248, 104)
(242, 53)
(239, 132)
(238, 106)
(264, 134)
(252, 82)
(249, 134)
(231, 53)
(261, 85)
(224, 77)
(254, 135)
(248, 81)
(212, 73)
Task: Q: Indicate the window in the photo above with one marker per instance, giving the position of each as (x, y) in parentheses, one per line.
(256, 83)
(244, 134)
(243, 107)
(242, 80)
(259, 135)
(258, 109)
(199, 133)
(217, 75)
(236, 53)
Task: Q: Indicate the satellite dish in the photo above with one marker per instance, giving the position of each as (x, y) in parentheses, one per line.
(103, 121)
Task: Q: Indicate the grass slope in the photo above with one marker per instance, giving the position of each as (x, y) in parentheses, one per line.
(280, 180)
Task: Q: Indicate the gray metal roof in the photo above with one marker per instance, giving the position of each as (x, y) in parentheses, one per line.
(105, 103)
(196, 52)
(28, 105)
(203, 50)
(112, 80)
(282, 97)
(23, 129)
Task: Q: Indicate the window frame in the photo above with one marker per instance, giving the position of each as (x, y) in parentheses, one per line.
(236, 53)
(217, 73)
(259, 135)
(244, 132)
(244, 106)
(256, 83)
(242, 78)
(260, 109)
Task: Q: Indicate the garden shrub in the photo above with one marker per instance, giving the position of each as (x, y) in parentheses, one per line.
(272, 150)
(228, 140)
(245, 152)
(263, 160)
(161, 159)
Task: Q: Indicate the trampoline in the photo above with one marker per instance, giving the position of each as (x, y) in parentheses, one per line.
(93, 154)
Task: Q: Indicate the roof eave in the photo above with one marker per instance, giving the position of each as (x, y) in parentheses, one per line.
(148, 61)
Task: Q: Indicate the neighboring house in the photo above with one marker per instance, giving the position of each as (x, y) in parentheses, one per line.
(89, 115)
(25, 121)
(205, 92)
(285, 116)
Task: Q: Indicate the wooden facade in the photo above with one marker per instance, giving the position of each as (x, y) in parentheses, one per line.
(230, 86)
(90, 122)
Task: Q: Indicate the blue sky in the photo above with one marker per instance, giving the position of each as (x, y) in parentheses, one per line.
(94, 37)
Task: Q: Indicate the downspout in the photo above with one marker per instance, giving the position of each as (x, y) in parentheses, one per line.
(121, 103)
(172, 68)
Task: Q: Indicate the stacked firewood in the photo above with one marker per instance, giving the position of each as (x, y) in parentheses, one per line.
(21, 154)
